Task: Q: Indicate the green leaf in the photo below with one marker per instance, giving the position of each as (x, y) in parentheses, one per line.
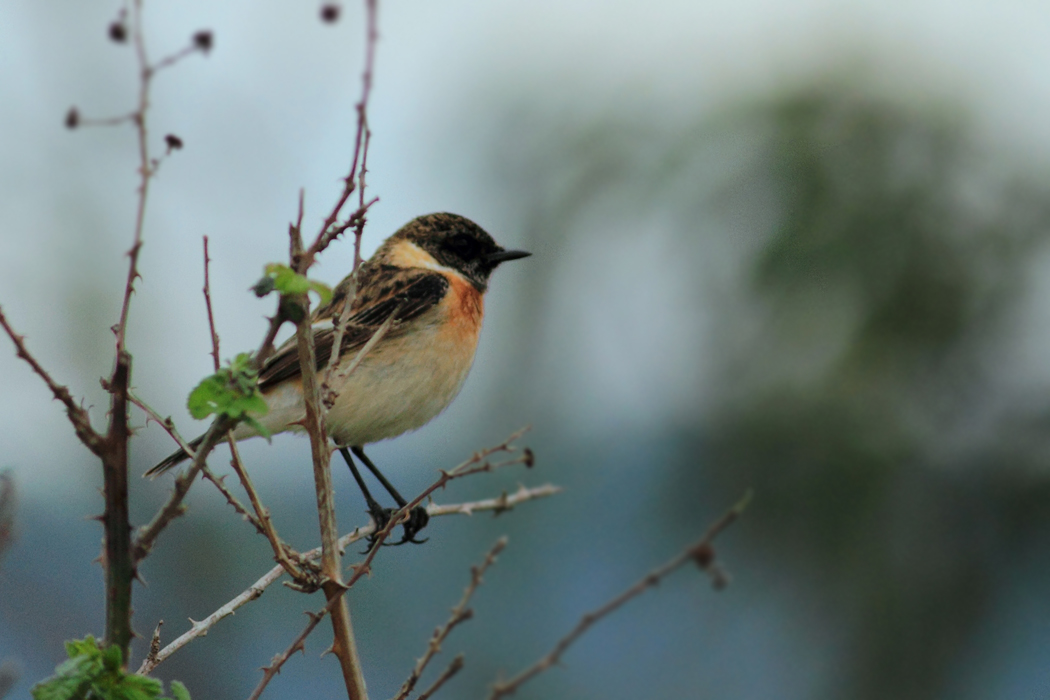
(179, 692)
(82, 647)
(208, 397)
(258, 427)
(324, 292)
(112, 658)
(72, 680)
(132, 687)
(232, 391)
(96, 674)
(287, 281)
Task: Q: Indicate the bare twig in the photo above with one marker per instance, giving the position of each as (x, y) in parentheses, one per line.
(169, 426)
(145, 165)
(701, 552)
(328, 393)
(261, 520)
(7, 510)
(78, 415)
(200, 629)
(460, 613)
(207, 304)
(154, 645)
(306, 579)
(478, 463)
(453, 668)
(173, 508)
(119, 560)
(329, 230)
(359, 228)
(344, 645)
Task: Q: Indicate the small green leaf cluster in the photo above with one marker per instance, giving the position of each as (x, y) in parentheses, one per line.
(285, 280)
(93, 673)
(290, 285)
(232, 392)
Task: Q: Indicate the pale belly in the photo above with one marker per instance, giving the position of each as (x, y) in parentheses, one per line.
(400, 386)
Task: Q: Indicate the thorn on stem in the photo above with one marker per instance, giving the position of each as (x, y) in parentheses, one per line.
(72, 118)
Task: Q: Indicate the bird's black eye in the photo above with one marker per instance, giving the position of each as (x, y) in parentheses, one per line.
(463, 246)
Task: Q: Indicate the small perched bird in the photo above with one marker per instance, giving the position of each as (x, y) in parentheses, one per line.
(430, 277)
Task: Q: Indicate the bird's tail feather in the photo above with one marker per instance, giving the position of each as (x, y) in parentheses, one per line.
(173, 459)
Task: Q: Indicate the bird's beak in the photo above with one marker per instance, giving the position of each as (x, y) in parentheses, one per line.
(504, 255)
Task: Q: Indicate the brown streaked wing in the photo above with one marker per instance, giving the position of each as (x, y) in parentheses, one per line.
(408, 292)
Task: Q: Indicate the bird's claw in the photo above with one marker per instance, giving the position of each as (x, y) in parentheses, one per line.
(417, 520)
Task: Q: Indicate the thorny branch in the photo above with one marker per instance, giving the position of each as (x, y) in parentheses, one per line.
(344, 645)
(701, 552)
(453, 668)
(169, 426)
(460, 613)
(262, 521)
(330, 229)
(78, 415)
(478, 463)
(207, 304)
(305, 578)
(173, 508)
(200, 628)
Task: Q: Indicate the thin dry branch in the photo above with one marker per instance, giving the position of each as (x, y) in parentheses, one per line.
(344, 644)
(262, 521)
(207, 304)
(453, 668)
(169, 426)
(701, 552)
(201, 42)
(173, 508)
(330, 229)
(7, 510)
(200, 628)
(460, 613)
(477, 464)
(305, 578)
(78, 415)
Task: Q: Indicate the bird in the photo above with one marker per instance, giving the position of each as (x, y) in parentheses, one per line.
(427, 281)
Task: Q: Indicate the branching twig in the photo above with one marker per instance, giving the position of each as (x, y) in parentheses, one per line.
(173, 508)
(329, 229)
(261, 520)
(460, 613)
(78, 415)
(701, 552)
(453, 668)
(476, 464)
(305, 579)
(169, 426)
(200, 629)
(344, 645)
(328, 393)
(207, 304)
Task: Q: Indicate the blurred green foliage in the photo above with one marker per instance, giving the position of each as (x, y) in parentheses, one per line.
(880, 256)
(94, 673)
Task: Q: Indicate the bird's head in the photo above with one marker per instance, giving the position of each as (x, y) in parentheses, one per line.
(456, 243)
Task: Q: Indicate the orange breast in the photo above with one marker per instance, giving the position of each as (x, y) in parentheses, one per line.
(465, 308)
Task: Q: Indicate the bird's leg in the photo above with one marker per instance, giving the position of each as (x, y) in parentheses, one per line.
(379, 514)
(418, 517)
